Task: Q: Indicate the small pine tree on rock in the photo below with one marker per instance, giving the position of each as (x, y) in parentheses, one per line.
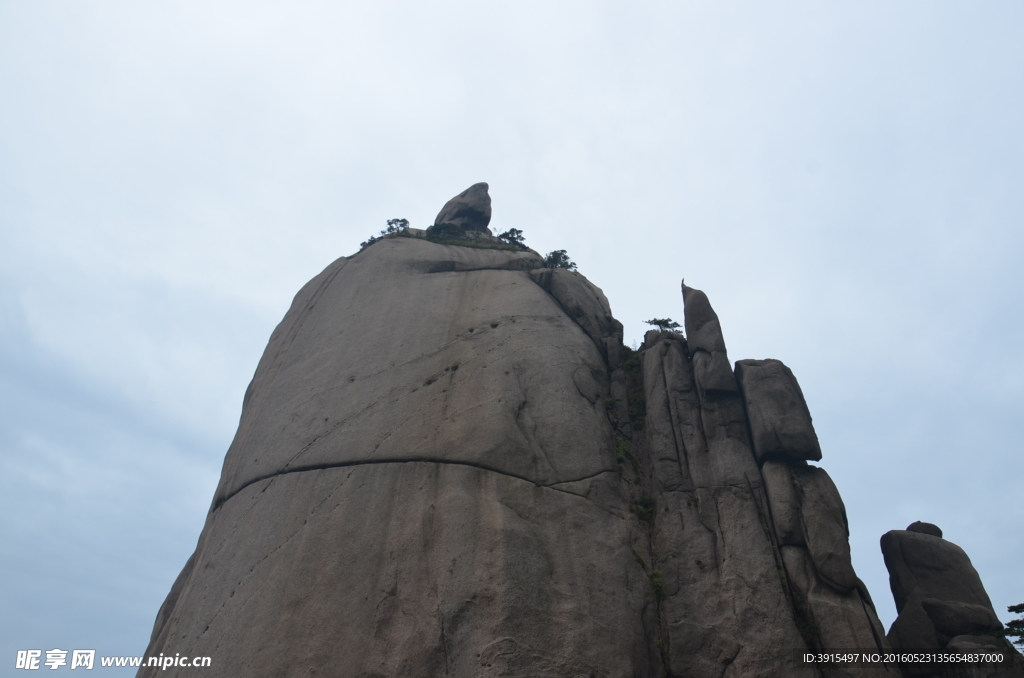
(446, 231)
(513, 236)
(664, 324)
(395, 226)
(559, 259)
(1015, 627)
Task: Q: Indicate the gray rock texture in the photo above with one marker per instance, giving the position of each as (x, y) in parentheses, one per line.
(922, 566)
(784, 503)
(1011, 667)
(780, 423)
(719, 523)
(826, 532)
(447, 464)
(952, 619)
(725, 610)
(832, 619)
(415, 568)
(586, 305)
(924, 528)
(469, 210)
(704, 339)
(423, 482)
(941, 603)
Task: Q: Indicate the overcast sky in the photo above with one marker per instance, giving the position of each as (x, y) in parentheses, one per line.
(845, 180)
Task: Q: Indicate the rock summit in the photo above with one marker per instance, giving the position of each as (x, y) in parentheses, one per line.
(448, 464)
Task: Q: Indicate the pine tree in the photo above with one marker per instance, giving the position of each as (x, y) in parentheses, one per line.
(513, 236)
(559, 259)
(663, 324)
(1015, 627)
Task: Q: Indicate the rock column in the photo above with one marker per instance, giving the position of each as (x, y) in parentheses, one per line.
(751, 543)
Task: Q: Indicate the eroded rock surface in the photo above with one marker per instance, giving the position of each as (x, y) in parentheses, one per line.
(390, 356)
(423, 482)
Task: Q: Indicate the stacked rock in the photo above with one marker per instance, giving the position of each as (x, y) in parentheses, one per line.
(941, 602)
(752, 543)
(808, 515)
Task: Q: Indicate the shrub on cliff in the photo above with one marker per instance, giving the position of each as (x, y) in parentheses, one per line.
(1015, 627)
(663, 324)
(446, 232)
(453, 234)
(395, 227)
(514, 237)
(636, 395)
(559, 259)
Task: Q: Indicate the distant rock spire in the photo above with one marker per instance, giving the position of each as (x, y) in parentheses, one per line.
(704, 338)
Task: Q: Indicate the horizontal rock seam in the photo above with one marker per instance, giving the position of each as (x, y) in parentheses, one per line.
(424, 460)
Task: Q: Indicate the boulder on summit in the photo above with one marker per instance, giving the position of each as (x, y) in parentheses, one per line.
(469, 210)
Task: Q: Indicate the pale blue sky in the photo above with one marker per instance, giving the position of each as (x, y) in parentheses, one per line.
(844, 180)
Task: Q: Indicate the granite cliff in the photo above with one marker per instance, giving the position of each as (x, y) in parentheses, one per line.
(448, 464)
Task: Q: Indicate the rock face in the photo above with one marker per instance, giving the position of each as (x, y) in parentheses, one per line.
(780, 423)
(423, 482)
(469, 210)
(755, 561)
(940, 601)
(447, 464)
(924, 528)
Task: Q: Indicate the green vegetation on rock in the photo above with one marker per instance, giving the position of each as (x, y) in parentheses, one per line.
(657, 583)
(1015, 627)
(636, 394)
(395, 227)
(514, 237)
(559, 259)
(644, 508)
(451, 234)
(624, 453)
(664, 324)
